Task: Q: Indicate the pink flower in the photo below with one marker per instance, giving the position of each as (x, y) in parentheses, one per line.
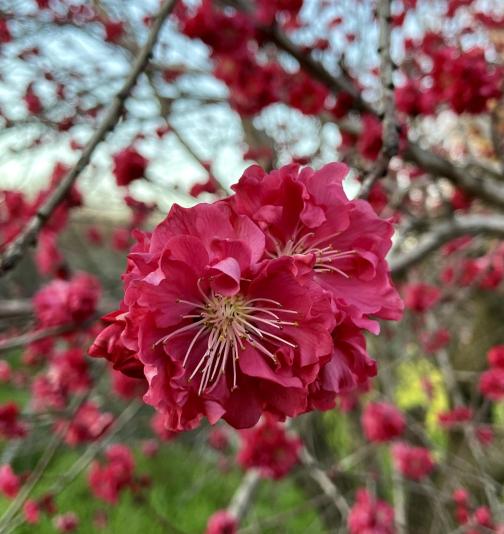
(31, 512)
(306, 215)
(94, 236)
(221, 522)
(129, 165)
(370, 516)
(382, 422)
(121, 239)
(206, 187)
(66, 522)
(88, 424)
(218, 439)
(255, 304)
(421, 297)
(219, 332)
(9, 481)
(491, 384)
(5, 371)
(114, 30)
(109, 479)
(10, 427)
(5, 34)
(414, 463)
(496, 356)
(127, 387)
(370, 140)
(62, 301)
(269, 448)
(454, 418)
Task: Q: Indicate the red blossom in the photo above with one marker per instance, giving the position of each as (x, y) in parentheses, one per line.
(10, 427)
(221, 522)
(88, 424)
(491, 384)
(421, 297)
(129, 165)
(382, 422)
(5, 34)
(414, 463)
(495, 356)
(269, 448)
(206, 187)
(66, 522)
(370, 516)
(9, 481)
(31, 512)
(61, 301)
(114, 30)
(109, 479)
(455, 417)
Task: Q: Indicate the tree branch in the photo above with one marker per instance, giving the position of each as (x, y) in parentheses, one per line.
(28, 236)
(390, 134)
(444, 232)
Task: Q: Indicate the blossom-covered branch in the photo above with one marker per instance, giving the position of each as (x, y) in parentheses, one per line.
(28, 236)
(442, 233)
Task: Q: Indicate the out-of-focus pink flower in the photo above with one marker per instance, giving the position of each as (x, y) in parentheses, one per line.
(66, 522)
(421, 297)
(491, 384)
(108, 480)
(207, 187)
(5, 371)
(269, 448)
(9, 481)
(414, 463)
(221, 522)
(129, 165)
(218, 439)
(434, 341)
(454, 418)
(150, 447)
(370, 516)
(31, 512)
(94, 236)
(496, 356)
(382, 422)
(88, 424)
(10, 427)
(61, 301)
(121, 238)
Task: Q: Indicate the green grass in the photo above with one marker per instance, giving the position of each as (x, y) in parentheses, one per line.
(186, 488)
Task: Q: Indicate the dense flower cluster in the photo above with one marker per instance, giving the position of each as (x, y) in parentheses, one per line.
(255, 303)
(269, 448)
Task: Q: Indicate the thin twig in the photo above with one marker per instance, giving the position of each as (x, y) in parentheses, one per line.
(390, 135)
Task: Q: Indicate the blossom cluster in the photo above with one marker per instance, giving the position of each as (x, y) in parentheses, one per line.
(256, 303)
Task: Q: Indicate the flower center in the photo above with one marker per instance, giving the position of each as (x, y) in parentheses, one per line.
(229, 323)
(325, 256)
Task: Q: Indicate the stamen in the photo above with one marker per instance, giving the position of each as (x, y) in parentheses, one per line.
(228, 324)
